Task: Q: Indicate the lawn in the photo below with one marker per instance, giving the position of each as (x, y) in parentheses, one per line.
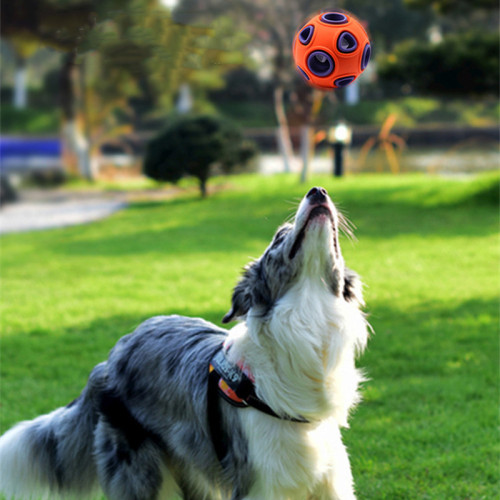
(427, 249)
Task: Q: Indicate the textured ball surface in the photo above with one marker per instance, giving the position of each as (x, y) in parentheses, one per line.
(331, 50)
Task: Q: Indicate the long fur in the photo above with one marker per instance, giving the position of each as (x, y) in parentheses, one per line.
(140, 431)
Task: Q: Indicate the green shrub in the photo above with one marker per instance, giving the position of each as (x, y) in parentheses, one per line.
(192, 146)
(29, 120)
(461, 64)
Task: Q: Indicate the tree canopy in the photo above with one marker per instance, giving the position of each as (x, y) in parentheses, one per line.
(453, 6)
(461, 64)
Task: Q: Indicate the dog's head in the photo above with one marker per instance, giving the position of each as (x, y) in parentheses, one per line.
(307, 248)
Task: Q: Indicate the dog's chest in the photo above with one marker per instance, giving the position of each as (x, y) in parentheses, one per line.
(290, 456)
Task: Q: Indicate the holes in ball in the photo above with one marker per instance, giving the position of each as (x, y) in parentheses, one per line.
(334, 18)
(344, 81)
(320, 63)
(365, 59)
(306, 34)
(346, 42)
(303, 73)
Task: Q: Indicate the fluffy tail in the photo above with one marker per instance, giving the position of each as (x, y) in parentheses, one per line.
(51, 456)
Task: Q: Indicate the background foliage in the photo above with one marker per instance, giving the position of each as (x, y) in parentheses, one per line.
(461, 64)
(136, 54)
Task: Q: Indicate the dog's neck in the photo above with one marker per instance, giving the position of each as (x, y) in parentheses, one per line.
(297, 354)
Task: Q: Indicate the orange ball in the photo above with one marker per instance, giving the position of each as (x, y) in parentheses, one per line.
(331, 50)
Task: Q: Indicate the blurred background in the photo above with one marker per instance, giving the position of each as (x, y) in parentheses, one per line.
(87, 84)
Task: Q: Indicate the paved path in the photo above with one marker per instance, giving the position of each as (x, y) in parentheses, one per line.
(39, 209)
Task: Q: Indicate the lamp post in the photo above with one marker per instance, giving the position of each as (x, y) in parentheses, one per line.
(338, 137)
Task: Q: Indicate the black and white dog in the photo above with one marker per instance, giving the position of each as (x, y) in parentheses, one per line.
(253, 413)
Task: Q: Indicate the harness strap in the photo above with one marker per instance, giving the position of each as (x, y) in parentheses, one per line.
(214, 416)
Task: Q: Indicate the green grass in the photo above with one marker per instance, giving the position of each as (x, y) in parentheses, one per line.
(427, 249)
(29, 120)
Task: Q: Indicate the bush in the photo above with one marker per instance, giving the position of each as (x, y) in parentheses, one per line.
(193, 145)
(29, 120)
(462, 64)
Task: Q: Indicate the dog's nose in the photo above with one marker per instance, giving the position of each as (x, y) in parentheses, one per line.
(317, 195)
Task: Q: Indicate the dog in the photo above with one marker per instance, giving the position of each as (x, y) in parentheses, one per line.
(183, 406)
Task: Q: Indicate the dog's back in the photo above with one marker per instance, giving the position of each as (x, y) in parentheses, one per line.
(143, 407)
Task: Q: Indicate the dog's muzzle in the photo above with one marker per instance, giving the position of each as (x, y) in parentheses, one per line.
(315, 204)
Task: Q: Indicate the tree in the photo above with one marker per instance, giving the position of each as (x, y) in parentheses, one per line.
(193, 145)
(271, 26)
(455, 6)
(62, 25)
(390, 22)
(116, 51)
(461, 64)
(463, 57)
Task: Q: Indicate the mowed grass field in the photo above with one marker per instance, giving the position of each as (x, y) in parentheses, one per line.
(427, 249)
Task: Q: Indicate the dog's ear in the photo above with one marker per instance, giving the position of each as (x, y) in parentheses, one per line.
(241, 301)
(250, 291)
(353, 288)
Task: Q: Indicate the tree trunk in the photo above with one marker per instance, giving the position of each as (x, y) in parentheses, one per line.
(284, 140)
(76, 146)
(76, 149)
(307, 137)
(306, 150)
(203, 187)
(20, 98)
(86, 164)
(67, 103)
(66, 88)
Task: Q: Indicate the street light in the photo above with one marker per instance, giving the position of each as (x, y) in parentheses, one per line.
(338, 137)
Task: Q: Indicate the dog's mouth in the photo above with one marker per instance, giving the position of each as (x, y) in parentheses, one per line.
(316, 212)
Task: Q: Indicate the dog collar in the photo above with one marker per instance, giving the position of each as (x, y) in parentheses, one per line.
(235, 384)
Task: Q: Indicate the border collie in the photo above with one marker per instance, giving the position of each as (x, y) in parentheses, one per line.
(183, 406)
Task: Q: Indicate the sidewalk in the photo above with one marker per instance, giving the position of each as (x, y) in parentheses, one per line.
(45, 209)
